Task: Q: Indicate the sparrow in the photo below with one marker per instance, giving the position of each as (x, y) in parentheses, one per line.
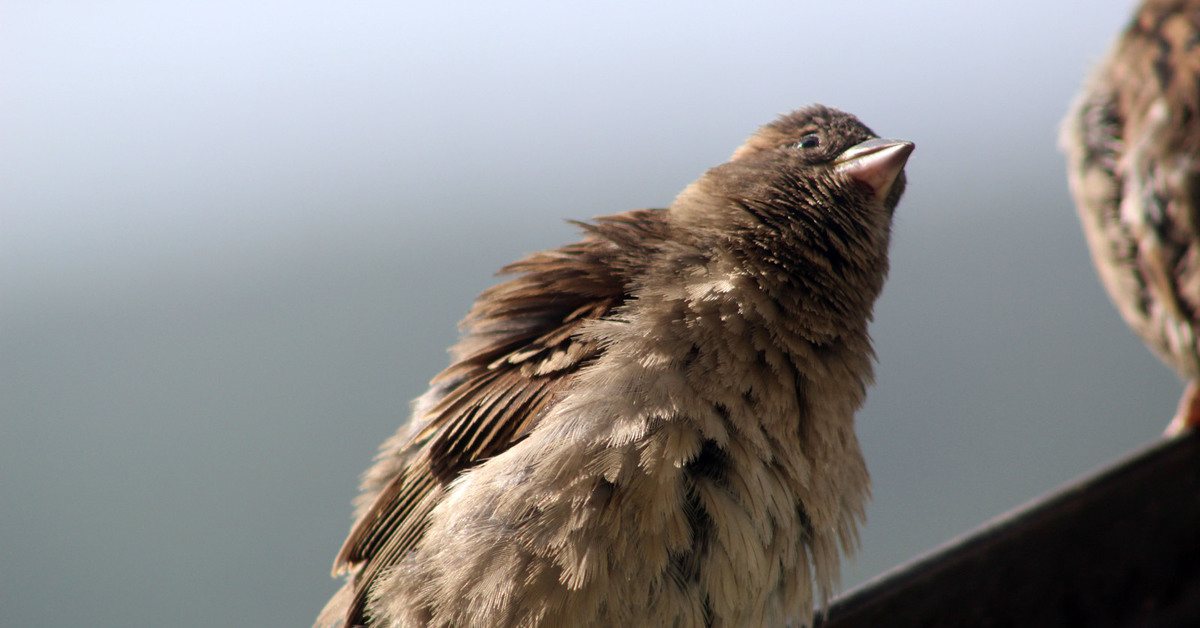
(653, 426)
(1132, 141)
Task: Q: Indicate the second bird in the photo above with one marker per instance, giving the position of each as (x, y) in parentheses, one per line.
(1133, 153)
(653, 426)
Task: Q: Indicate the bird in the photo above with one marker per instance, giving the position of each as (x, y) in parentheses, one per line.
(1132, 145)
(652, 426)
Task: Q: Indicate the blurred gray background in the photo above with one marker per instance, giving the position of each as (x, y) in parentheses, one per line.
(235, 239)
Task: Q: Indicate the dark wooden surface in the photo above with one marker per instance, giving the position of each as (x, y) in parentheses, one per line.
(1120, 547)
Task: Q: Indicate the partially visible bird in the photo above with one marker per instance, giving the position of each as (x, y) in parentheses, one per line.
(653, 426)
(1132, 140)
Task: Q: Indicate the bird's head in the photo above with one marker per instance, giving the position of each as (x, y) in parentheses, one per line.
(833, 147)
(816, 177)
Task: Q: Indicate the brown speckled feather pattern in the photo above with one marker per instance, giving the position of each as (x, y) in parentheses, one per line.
(652, 426)
(518, 349)
(1133, 146)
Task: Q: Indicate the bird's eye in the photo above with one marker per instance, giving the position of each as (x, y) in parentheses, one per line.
(812, 140)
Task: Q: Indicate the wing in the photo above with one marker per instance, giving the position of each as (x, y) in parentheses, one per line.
(518, 354)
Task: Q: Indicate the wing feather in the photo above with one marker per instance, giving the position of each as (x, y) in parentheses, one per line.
(518, 354)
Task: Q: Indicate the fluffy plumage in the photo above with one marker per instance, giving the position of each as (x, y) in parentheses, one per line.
(652, 426)
(1132, 140)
